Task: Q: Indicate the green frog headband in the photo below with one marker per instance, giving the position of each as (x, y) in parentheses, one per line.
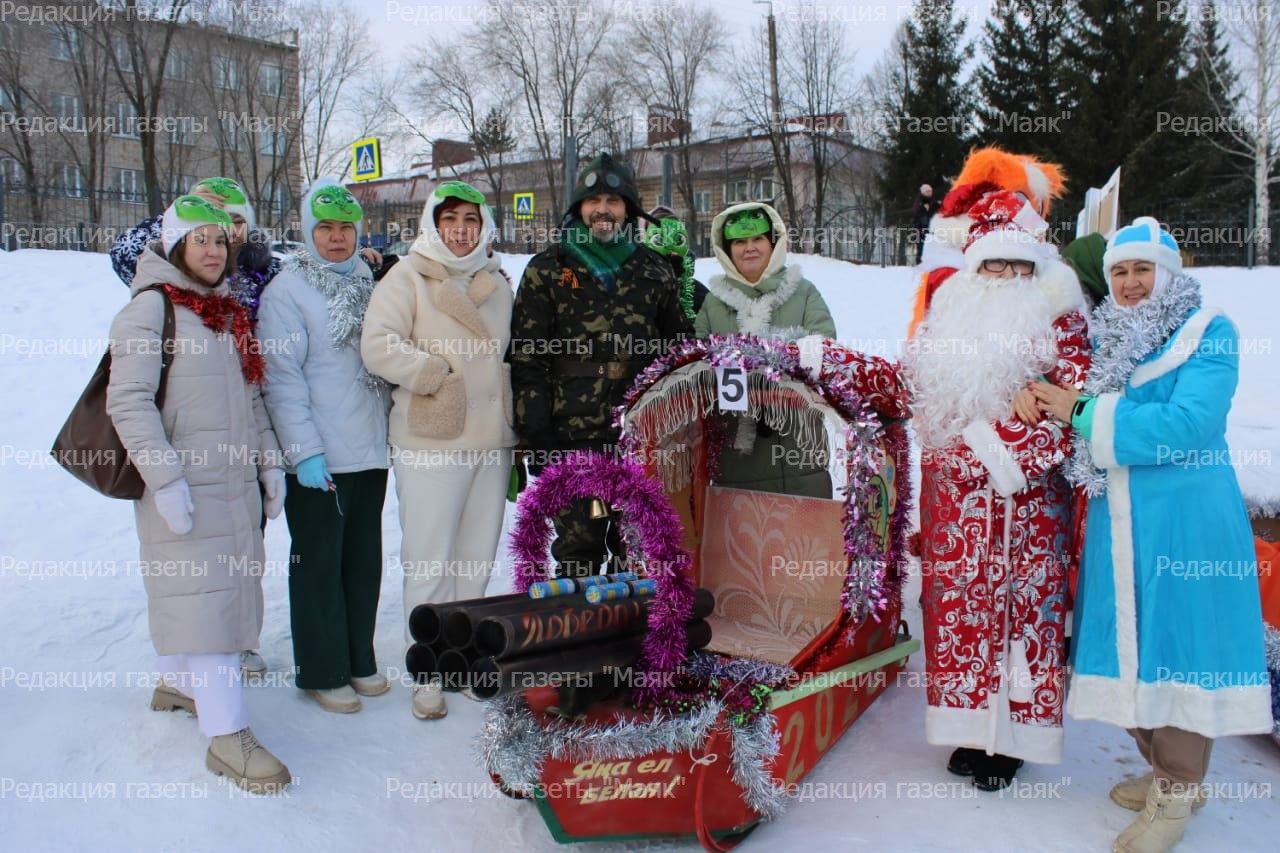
(460, 190)
(336, 203)
(747, 223)
(667, 237)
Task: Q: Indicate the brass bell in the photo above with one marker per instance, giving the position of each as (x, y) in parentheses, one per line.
(598, 510)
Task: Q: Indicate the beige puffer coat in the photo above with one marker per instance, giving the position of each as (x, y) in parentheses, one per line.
(204, 589)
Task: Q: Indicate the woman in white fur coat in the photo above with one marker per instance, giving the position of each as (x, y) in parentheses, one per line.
(437, 327)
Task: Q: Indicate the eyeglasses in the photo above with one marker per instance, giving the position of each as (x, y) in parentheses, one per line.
(998, 265)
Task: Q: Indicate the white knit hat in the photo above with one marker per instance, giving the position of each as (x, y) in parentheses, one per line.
(186, 214)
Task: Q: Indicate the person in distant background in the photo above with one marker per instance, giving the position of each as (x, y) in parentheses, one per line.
(922, 211)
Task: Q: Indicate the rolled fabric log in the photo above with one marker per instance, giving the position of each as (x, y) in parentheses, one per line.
(420, 661)
(454, 666)
(621, 589)
(491, 678)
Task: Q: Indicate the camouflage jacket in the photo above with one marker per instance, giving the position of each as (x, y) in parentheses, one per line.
(564, 317)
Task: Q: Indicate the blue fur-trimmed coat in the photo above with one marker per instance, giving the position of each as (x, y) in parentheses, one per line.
(1168, 623)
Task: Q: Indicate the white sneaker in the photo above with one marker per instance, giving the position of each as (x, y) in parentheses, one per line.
(251, 663)
(428, 701)
(371, 685)
(339, 700)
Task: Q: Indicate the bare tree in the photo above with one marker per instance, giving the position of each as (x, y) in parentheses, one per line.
(553, 55)
(92, 85)
(1253, 28)
(673, 51)
(336, 50)
(137, 46)
(20, 98)
(816, 67)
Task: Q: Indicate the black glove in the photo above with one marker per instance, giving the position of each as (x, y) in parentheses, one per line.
(255, 254)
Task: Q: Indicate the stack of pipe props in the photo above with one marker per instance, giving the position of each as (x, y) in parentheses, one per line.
(563, 631)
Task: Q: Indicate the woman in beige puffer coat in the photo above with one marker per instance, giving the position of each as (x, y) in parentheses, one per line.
(200, 454)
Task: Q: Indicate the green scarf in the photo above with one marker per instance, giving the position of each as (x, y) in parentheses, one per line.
(602, 260)
(1085, 256)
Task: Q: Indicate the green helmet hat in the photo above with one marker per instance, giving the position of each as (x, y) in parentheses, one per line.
(335, 202)
(667, 237)
(460, 190)
(224, 188)
(186, 214)
(747, 223)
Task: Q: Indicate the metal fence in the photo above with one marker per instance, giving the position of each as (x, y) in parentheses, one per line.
(55, 217)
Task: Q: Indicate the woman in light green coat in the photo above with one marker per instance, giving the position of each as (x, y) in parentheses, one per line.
(760, 294)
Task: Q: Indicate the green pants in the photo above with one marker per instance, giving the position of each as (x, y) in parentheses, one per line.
(335, 572)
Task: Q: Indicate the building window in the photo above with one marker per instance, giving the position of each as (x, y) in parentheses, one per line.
(124, 56)
(180, 184)
(70, 181)
(764, 189)
(126, 120)
(231, 133)
(702, 202)
(11, 173)
(64, 44)
(271, 80)
(128, 186)
(271, 142)
(67, 107)
(177, 66)
(736, 191)
(226, 72)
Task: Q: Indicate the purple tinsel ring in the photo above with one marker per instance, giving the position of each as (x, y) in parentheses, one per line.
(643, 507)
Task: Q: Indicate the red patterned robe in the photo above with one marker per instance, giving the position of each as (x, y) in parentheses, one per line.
(994, 571)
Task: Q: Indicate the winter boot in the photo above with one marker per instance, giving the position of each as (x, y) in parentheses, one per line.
(1160, 824)
(1132, 794)
(247, 763)
(166, 698)
(339, 700)
(993, 772)
(371, 685)
(962, 760)
(428, 701)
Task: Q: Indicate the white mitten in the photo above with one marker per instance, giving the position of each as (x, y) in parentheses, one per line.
(272, 480)
(811, 354)
(173, 502)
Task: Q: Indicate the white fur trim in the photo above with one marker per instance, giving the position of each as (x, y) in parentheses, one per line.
(1033, 223)
(1184, 345)
(1122, 574)
(755, 312)
(1213, 713)
(1037, 183)
(950, 230)
(1007, 243)
(938, 255)
(1102, 441)
(972, 727)
(777, 260)
(1005, 475)
(1060, 286)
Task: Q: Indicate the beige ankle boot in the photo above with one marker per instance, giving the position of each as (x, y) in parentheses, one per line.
(1132, 794)
(1160, 824)
(166, 698)
(247, 763)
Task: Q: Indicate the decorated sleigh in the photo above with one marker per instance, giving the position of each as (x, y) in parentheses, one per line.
(805, 627)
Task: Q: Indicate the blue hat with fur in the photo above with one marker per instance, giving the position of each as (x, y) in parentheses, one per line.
(1144, 240)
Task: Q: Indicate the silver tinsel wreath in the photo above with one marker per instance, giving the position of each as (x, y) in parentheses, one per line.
(348, 298)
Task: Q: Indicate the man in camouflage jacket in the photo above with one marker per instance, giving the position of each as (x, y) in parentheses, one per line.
(592, 311)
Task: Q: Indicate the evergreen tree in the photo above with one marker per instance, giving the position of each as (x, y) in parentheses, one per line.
(1022, 98)
(929, 133)
(1127, 75)
(1223, 180)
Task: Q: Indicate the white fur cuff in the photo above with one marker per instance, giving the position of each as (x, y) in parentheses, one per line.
(1006, 477)
(1102, 442)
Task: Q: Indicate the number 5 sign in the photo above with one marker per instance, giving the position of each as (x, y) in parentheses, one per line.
(731, 388)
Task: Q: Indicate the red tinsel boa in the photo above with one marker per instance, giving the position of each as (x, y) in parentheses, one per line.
(223, 315)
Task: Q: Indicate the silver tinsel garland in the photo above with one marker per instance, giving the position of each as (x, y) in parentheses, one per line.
(512, 744)
(348, 296)
(1122, 337)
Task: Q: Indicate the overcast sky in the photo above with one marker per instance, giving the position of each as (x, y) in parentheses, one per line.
(399, 25)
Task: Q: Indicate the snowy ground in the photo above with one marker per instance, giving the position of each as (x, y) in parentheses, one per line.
(84, 763)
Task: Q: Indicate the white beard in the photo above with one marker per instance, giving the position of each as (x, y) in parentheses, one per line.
(982, 340)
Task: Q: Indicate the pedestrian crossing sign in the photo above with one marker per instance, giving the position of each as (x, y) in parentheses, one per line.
(366, 159)
(524, 205)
